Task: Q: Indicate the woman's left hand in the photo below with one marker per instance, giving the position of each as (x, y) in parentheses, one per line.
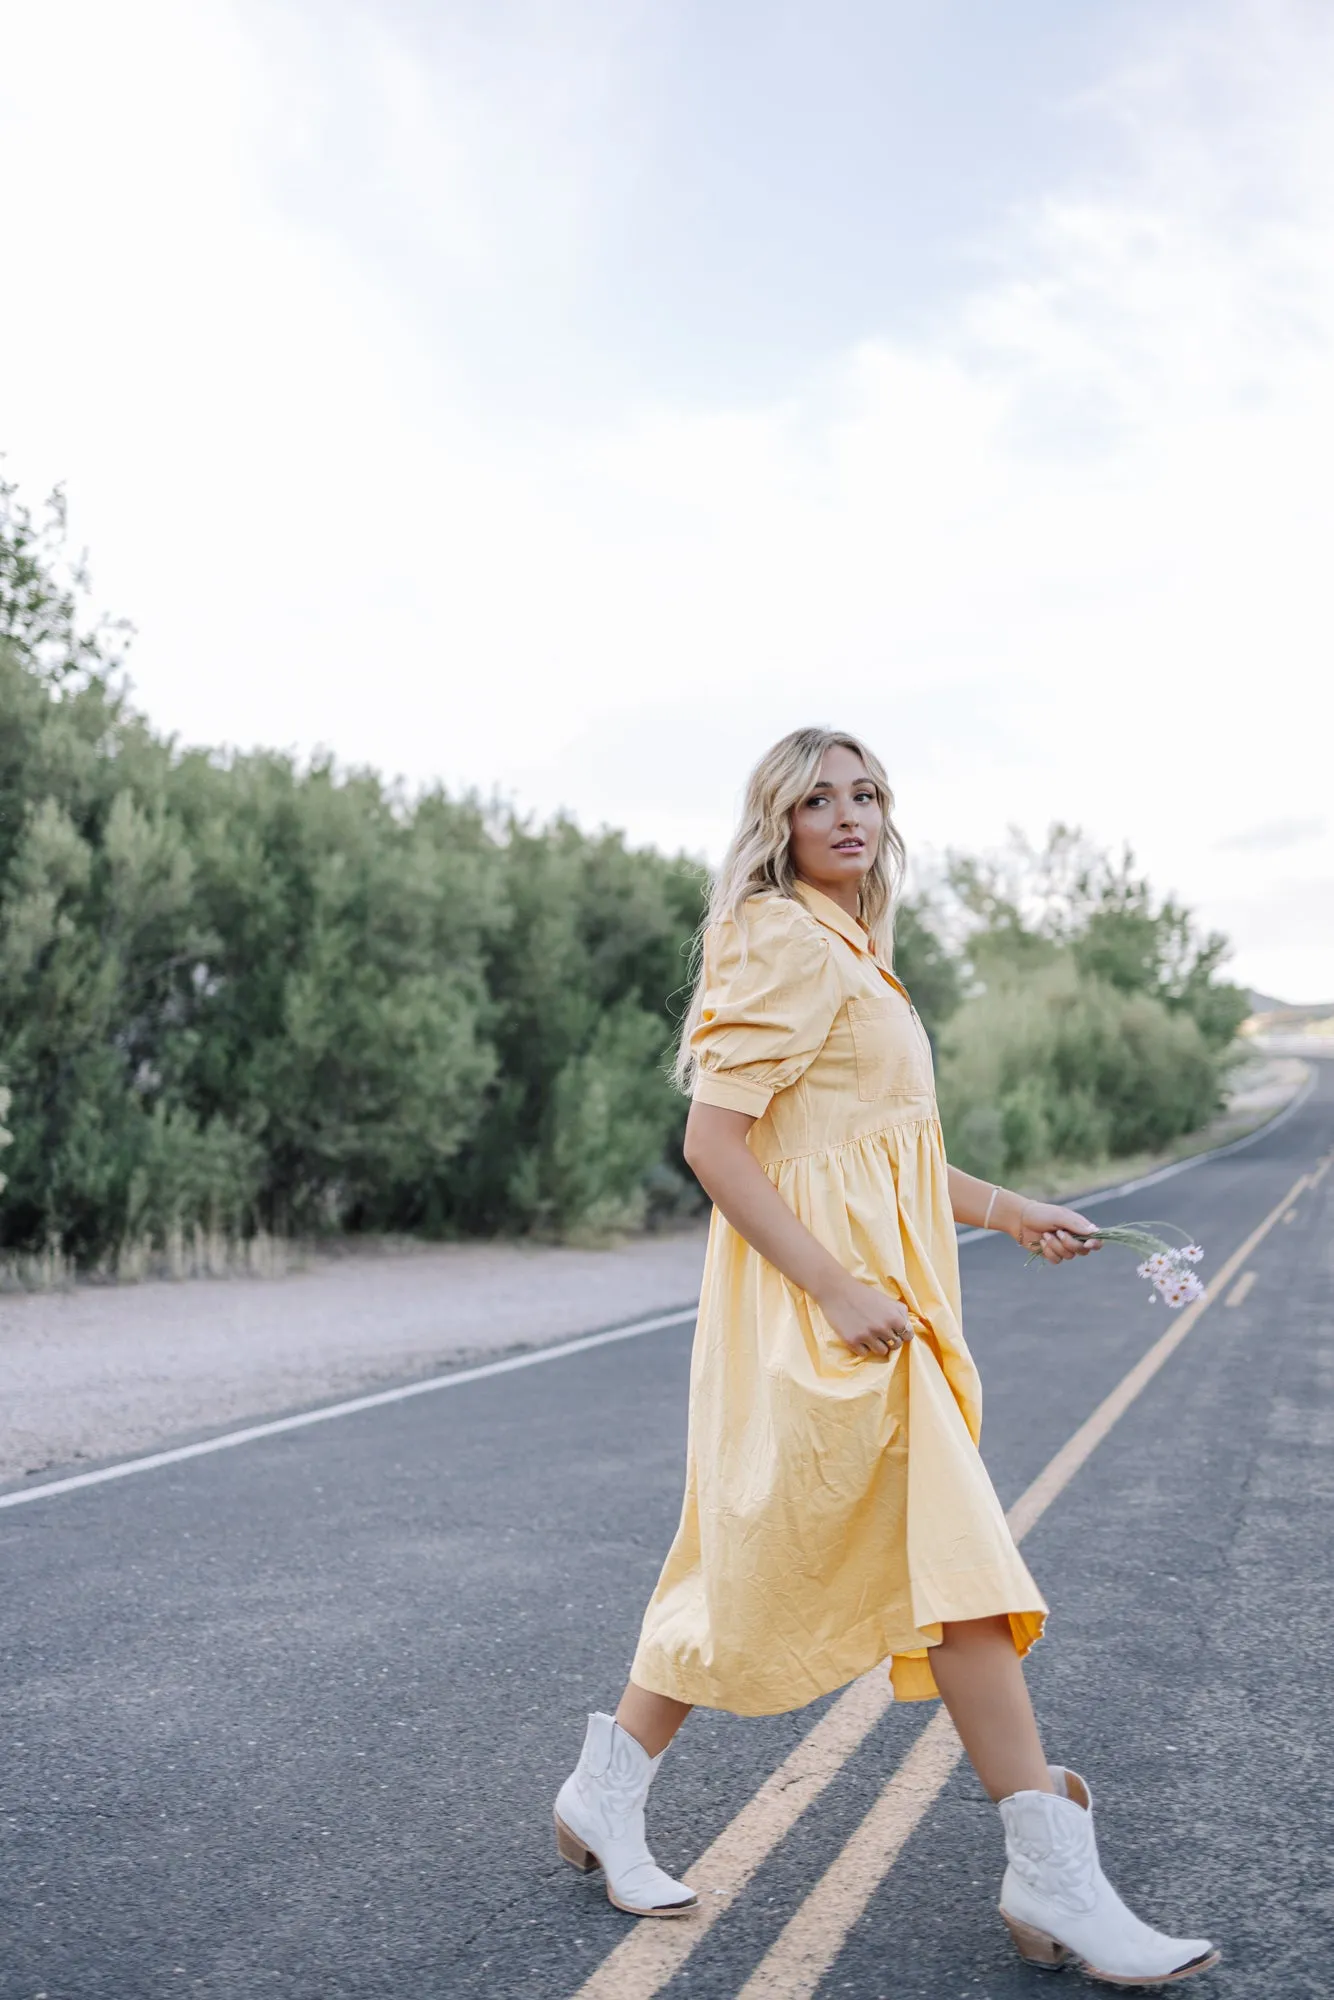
(1055, 1231)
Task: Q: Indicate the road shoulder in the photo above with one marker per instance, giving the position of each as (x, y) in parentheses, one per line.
(100, 1372)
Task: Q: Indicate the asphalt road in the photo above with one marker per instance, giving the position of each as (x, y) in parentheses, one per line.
(288, 1720)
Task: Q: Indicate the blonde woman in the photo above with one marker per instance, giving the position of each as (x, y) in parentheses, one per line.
(837, 1513)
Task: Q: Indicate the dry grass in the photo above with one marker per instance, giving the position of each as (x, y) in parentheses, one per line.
(1260, 1088)
(196, 1253)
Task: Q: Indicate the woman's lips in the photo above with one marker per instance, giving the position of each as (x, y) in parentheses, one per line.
(849, 846)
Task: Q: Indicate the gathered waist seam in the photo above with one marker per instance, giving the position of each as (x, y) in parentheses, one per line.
(931, 1117)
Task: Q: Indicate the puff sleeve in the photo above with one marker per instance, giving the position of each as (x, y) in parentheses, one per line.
(771, 990)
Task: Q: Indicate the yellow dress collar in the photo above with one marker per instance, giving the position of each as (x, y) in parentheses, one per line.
(827, 912)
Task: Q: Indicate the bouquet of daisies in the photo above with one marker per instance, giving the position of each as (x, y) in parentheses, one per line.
(1166, 1265)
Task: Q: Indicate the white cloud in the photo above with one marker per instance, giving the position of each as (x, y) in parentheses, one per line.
(1063, 560)
(1275, 835)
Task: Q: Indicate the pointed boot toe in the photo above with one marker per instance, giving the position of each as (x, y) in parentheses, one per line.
(1059, 1906)
(600, 1823)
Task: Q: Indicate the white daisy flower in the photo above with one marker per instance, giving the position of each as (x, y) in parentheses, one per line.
(1180, 1288)
(1166, 1266)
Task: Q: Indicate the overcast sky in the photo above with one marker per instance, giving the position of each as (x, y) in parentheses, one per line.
(569, 396)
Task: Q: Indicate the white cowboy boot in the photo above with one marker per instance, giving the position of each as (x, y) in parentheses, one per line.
(1059, 1905)
(600, 1822)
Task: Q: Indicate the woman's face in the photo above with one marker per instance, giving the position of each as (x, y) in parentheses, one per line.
(836, 828)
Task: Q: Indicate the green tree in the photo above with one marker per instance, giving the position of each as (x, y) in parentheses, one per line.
(1061, 1063)
(239, 990)
(1141, 946)
(341, 1011)
(925, 964)
(1022, 907)
(592, 929)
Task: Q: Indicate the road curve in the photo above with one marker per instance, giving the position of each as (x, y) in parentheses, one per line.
(287, 1719)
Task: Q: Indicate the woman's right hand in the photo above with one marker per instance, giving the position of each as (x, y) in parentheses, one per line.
(866, 1319)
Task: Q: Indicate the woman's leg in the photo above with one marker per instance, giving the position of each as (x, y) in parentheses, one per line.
(652, 1719)
(600, 1807)
(1048, 1837)
(981, 1682)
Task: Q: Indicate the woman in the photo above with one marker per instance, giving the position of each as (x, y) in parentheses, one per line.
(837, 1513)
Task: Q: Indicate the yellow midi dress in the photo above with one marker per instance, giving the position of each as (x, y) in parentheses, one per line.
(836, 1511)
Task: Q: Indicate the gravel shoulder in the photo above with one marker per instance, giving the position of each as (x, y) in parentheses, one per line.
(99, 1372)
(284, 1720)
(102, 1372)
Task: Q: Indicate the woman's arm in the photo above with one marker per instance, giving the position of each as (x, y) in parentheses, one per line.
(866, 1319)
(1036, 1225)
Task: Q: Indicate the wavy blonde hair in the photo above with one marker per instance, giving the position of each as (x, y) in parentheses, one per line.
(758, 861)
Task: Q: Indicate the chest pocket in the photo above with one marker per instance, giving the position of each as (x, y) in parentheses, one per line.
(892, 1053)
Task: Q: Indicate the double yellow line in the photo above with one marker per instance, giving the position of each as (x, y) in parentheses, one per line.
(652, 1953)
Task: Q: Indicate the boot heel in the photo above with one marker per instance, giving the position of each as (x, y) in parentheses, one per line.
(1034, 1946)
(571, 1849)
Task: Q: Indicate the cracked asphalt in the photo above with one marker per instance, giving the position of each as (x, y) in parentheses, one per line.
(288, 1719)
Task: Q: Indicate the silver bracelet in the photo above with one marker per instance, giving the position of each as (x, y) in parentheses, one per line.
(986, 1220)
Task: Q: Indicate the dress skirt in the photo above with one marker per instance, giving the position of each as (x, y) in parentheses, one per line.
(837, 1511)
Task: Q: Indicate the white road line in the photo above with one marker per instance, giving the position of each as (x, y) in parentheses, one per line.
(1240, 1289)
(1177, 1166)
(1200, 1159)
(350, 1408)
(153, 1460)
(648, 1958)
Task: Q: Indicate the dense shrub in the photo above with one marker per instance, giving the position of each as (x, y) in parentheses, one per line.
(585, 962)
(1057, 1062)
(234, 991)
(240, 993)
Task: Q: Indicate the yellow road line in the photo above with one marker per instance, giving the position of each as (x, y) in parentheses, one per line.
(1240, 1289)
(650, 1955)
(813, 1937)
(801, 1956)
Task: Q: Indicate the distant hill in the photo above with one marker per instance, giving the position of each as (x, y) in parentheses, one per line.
(1290, 1013)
